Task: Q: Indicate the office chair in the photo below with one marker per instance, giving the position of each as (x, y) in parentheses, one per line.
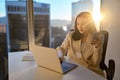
(110, 69)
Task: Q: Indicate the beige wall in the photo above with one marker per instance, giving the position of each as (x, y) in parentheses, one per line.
(111, 22)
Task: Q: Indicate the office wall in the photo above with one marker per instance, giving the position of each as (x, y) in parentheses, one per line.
(111, 22)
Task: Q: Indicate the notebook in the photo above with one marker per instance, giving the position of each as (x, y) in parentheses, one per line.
(48, 58)
(28, 56)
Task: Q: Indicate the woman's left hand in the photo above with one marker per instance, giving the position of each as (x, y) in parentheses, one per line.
(96, 40)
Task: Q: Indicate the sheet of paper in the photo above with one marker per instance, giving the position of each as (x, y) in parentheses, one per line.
(28, 57)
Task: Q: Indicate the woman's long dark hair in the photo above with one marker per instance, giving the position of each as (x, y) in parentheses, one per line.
(76, 34)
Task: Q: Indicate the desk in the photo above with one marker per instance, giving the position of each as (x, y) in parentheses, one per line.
(28, 70)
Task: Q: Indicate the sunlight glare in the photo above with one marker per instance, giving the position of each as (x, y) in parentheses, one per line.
(64, 28)
(97, 17)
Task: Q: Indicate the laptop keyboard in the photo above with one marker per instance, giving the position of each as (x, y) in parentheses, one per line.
(67, 66)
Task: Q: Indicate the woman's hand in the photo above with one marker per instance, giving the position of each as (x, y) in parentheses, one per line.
(60, 60)
(96, 40)
(60, 54)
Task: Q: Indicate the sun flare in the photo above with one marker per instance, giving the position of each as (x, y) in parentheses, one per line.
(97, 18)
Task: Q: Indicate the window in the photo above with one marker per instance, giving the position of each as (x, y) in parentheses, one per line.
(3, 42)
(17, 23)
(51, 20)
(56, 18)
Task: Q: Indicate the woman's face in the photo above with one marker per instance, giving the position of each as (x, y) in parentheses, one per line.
(82, 25)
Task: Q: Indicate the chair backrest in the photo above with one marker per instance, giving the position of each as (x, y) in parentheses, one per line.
(105, 41)
(110, 69)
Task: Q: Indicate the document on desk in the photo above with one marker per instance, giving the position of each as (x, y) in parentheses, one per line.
(28, 57)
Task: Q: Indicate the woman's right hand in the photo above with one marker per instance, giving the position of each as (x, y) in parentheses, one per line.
(61, 60)
(60, 54)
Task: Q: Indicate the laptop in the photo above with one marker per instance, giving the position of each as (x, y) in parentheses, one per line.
(48, 58)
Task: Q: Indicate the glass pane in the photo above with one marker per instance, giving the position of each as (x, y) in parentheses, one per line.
(53, 19)
(17, 22)
(3, 42)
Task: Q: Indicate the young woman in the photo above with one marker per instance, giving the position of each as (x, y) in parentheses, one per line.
(80, 46)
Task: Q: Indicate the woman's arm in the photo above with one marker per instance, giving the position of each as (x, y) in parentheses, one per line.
(97, 56)
(97, 53)
(62, 49)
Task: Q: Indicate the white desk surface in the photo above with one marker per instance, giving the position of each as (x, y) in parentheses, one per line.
(28, 70)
